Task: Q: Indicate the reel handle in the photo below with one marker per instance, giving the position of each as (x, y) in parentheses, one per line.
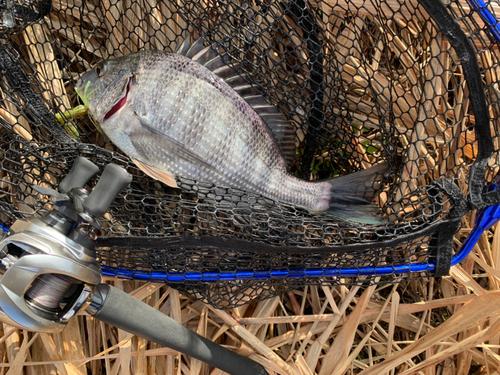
(112, 181)
(81, 172)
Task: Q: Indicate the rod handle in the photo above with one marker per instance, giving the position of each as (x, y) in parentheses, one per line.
(120, 309)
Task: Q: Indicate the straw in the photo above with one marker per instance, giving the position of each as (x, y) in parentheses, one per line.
(449, 326)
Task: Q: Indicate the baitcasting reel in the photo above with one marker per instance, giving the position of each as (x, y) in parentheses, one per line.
(50, 273)
(49, 268)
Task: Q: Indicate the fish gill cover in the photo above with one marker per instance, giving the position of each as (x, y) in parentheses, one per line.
(359, 82)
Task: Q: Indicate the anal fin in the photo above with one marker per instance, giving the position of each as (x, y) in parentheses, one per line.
(166, 177)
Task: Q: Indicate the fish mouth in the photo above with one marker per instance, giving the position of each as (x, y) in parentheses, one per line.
(120, 102)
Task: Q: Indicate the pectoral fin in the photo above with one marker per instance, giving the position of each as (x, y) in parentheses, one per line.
(163, 176)
(149, 137)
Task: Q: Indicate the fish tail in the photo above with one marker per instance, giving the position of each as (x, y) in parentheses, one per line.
(351, 196)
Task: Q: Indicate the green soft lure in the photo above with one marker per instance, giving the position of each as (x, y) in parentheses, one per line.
(69, 126)
(76, 112)
(83, 110)
(86, 94)
(66, 117)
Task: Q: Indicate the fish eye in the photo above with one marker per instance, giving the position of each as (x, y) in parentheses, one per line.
(100, 69)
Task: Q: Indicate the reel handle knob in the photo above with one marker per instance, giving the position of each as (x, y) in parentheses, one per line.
(112, 181)
(81, 172)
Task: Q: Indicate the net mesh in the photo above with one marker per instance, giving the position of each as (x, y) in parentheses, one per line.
(360, 81)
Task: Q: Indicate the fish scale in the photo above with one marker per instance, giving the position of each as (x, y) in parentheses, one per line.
(174, 117)
(208, 136)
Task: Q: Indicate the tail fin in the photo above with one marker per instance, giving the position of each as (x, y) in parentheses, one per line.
(351, 196)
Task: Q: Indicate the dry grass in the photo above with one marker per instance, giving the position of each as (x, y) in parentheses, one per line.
(446, 326)
(426, 326)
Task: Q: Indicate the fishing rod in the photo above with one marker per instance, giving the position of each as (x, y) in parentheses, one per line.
(50, 273)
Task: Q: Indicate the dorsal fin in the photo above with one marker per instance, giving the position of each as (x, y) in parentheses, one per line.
(205, 55)
(236, 81)
(215, 63)
(256, 100)
(184, 47)
(282, 130)
(190, 50)
(195, 48)
(227, 71)
(246, 90)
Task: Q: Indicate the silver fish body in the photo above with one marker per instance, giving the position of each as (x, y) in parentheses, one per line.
(175, 117)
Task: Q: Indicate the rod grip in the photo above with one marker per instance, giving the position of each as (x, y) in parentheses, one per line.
(128, 313)
(81, 172)
(113, 180)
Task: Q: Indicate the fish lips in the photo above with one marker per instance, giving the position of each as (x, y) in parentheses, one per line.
(121, 102)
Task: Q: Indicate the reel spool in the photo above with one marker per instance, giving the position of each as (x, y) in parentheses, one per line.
(48, 263)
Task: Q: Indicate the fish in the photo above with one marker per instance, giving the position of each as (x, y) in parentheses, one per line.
(188, 114)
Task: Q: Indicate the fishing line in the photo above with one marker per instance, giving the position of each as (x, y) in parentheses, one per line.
(48, 290)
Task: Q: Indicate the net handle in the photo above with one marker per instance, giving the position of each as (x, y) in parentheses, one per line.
(467, 55)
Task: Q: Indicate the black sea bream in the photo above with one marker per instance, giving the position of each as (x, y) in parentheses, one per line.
(187, 114)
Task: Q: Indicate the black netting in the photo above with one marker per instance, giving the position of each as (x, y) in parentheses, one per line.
(360, 81)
